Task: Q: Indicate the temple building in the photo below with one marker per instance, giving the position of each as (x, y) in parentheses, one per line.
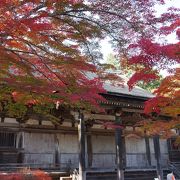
(91, 139)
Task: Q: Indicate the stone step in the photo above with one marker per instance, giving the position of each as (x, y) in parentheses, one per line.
(58, 175)
(65, 178)
(129, 175)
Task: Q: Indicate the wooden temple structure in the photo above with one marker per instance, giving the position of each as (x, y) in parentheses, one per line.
(89, 141)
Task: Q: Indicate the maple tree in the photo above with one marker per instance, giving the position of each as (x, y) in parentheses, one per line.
(150, 59)
(49, 46)
(35, 56)
(127, 72)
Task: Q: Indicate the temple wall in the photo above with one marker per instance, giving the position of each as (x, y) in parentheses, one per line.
(103, 151)
(136, 145)
(163, 150)
(68, 149)
(42, 148)
(135, 152)
(38, 148)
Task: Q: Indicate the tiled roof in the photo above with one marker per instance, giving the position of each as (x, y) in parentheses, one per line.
(123, 90)
(136, 91)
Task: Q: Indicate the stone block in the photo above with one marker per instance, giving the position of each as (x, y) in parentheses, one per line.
(65, 178)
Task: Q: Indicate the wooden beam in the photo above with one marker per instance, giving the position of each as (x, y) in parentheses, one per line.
(132, 110)
(19, 145)
(119, 149)
(158, 156)
(89, 150)
(57, 151)
(148, 152)
(81, 133)
(52, 131)
(89, 116)
(100, 117)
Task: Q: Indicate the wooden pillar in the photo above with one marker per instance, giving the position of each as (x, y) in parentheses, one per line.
(89, 150)
(148, 152)
(19, 146)
(57, 151)
(119, 148)
(82, 154)
(169, 149)
(158, 156)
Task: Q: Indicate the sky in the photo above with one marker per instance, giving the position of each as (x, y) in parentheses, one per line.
(106, 46)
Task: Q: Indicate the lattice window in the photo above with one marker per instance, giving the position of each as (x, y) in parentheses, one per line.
(7, 139)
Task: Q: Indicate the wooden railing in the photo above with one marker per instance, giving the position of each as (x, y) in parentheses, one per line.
(71, 161)
(19, 166)
(175, 168)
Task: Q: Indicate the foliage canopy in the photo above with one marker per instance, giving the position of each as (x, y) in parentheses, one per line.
(47, 47)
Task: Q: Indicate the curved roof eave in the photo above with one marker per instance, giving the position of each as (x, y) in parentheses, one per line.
(124, 91)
